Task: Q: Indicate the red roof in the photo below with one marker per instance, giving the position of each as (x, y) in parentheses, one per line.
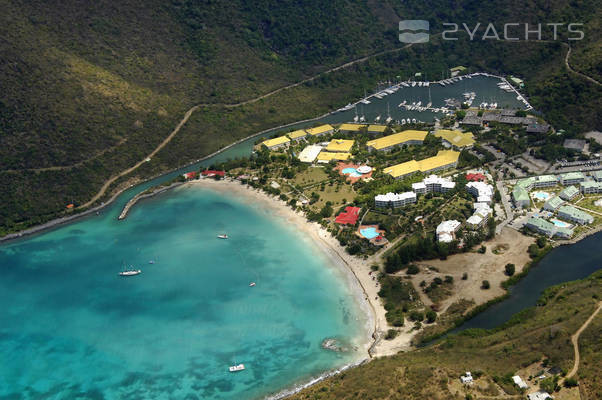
(475, 177)
(190, 175)
(349, 216)
(211, 172)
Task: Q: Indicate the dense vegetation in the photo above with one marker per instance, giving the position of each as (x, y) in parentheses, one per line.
(90, 89)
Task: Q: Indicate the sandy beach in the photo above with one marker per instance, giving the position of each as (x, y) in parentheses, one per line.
(365, 285)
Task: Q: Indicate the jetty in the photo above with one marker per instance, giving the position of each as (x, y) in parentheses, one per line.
(144, 195)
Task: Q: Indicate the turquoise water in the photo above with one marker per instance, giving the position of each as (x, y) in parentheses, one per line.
(351, 172)
(543, 196)
(369, 233)
(559, 223)
(70, 326)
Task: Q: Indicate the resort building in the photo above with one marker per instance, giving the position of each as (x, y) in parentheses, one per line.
(320, 130)
(394, 200)
(575, 144)
(443, 160)
(310, 153)
(276, 143)
(481, 190)
(377, 128)
(349, 216)
(433, 184)
(347, 128)
(446, 230)
(482, 211)
(569, 193)
(520, 196)
(476, 177)
(544, 227)
(340, 145)
(575, 215)
(597, 175)
(297, 135)
(571, 178)
(327, 156)
(456, 139)
(467, 379)
(553, 204)
(475, 221)
(409, 137)
(590, 187)
(535, 182)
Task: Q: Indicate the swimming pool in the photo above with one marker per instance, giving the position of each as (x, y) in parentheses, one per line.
(559, 223)
(352, 172)
(543, 196)
(369, 233)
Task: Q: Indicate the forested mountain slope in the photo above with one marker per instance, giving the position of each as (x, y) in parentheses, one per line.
(90, 88)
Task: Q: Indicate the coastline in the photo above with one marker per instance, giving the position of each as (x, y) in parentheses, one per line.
(53, 223)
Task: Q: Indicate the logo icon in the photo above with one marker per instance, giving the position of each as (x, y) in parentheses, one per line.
(410, 31)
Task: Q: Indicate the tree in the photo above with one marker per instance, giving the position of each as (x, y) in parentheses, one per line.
(485, 285)
(413, 269)
(431, 316)
(541, 242)
(510, 268)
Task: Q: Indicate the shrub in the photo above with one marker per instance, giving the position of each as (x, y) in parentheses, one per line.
(571, 382)
(449, 279)
(413, 269)
(482, 249)
(431, 316)
(391, 334)
(510, 268)
(485, 285)
(416, 316)
(464, 276)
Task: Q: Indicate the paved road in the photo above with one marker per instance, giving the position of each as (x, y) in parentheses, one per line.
(507, 207)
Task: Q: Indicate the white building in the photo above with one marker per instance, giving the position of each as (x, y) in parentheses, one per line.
(590, 187)
(519, 382)
(481, 190)
(475, 221)
(433, 184)
(310, 153)
(446, 230)
(467, 379)
(539, 396)
(395, 200)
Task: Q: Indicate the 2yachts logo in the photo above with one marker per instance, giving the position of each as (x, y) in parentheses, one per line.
(416, 31)
(410, 31)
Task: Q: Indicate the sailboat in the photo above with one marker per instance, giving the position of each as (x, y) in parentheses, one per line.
(389, 119)
(129, 272)
(377, 119)
(222, 236)
(356, 118)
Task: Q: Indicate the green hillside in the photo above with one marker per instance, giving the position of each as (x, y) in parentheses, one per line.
(522, 344)
(89, 89)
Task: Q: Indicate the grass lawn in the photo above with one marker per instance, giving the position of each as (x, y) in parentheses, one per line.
(310, 176)
(335, 194)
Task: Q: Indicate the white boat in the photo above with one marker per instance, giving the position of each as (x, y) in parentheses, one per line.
(365, 101)
(251, 284)
(224, 236)
(413, 83)
(130, 272)
(413, 120)
(362, 119)
(403, 121)
(236, 368)
(377, 118)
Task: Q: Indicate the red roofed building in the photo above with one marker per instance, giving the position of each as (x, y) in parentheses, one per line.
(349, 216)
(190, 175)
(211, 172)
(476, 177)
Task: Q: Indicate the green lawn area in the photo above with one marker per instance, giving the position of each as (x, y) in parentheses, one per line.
(309, 176)
(588, 202)
(335, 194)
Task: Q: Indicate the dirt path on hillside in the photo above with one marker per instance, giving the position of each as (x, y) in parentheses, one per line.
(568, 66)
(575, 340)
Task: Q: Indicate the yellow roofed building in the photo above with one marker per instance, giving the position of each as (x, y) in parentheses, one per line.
(351, 127)
(340, 145)
(297, 135)
(456, 139)
(443, 160)
(327, 156)
(377, 128)
(276, 143)
(386, 143)
(320, 130)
